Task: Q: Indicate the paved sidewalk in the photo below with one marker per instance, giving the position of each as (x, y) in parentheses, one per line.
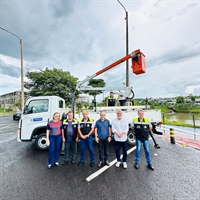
(186, 142)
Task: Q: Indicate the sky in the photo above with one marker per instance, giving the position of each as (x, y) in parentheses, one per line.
(83, 37)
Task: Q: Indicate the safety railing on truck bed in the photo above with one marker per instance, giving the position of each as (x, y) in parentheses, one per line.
(107, 108)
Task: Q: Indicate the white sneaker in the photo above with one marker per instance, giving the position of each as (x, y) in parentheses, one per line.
(118, 164)
(124, 165)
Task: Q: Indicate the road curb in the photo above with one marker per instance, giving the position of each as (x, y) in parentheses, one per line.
(186, 142)
(4, 115)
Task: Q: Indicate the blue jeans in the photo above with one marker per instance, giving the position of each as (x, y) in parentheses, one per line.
(118, 146)
(103, 149)
(73, 145)
(54, 148)
(87, 142)
(146, 149)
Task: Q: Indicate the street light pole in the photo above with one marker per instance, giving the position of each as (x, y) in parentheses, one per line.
(22, 76)
(127, 64)
(22, 68)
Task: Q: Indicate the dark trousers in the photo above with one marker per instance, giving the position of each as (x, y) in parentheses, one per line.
(54, 148)
(87, 142)
(118, 146)
(103, 150)
(73, 145)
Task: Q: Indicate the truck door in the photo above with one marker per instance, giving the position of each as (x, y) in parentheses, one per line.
(37, 113)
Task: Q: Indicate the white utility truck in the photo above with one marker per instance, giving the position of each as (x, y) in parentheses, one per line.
(38, 110)
(34, 119)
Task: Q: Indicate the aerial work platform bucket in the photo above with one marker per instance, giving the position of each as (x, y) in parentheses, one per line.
(138, 64)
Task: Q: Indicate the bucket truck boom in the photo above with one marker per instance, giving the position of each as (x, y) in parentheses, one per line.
(138, 67)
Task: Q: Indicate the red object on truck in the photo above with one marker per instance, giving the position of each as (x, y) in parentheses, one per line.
(139, 64)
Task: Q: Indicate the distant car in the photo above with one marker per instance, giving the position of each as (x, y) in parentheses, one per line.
(17, 115)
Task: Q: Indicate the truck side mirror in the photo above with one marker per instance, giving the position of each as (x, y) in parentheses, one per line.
(25, 109)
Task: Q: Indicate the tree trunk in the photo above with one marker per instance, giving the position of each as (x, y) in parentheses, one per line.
(95, 104)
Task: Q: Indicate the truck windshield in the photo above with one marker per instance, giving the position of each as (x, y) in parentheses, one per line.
(37, 106)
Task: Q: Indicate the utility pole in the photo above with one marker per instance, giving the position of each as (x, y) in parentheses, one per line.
(22, 67)
(127, 64)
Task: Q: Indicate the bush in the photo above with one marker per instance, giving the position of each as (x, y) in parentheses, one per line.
(9, 109)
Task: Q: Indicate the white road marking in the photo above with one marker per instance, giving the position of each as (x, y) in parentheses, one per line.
(7, 126)
(9, 133)
(97, 173)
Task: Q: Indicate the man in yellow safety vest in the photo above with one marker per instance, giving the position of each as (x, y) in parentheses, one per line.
(142, 126)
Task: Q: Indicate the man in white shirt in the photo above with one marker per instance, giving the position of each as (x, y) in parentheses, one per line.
(120, 129)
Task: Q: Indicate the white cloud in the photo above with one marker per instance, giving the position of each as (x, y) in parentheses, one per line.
(10, 60)
(10, 84)
(192, 89)
(84, 37)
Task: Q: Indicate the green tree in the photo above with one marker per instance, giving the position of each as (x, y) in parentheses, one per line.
(103, 102)
(180, 99)
(79, 106)
(95, 83)
(86, 105)
(9, 109)
(51, 82)
(18, 104)
(153, 104)
(193, 98)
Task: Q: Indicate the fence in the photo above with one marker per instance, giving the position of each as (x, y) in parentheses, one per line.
(193, 123)
(192, 132)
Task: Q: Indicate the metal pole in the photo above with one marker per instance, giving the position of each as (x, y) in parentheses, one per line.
(73, 107)
(95, 105)
(146, 103)
(22, 68)
(22, 76)
(172, 137)
(127, 64)
(194, 122)
(194, 126)
(164, 122)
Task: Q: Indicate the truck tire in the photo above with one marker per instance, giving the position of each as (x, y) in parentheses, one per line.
(131, 138)
(40, 142)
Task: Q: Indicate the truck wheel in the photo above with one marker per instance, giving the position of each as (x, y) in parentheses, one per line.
(131, 138)
(40, 142)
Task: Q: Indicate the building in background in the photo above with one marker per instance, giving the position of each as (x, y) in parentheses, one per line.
(10, 99)
(83, 99)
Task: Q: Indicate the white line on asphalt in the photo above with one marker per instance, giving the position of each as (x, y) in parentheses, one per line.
(9, 133)
(97, 173)
(7, 126)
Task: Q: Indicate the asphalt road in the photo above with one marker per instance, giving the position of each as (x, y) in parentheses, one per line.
(24, 173)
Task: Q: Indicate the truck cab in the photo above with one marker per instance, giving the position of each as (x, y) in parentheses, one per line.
(37, 112)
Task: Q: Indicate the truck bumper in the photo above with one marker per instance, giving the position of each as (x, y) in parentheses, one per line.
(19, 135)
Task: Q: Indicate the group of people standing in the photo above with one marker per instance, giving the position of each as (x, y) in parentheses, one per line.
(70, 130)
